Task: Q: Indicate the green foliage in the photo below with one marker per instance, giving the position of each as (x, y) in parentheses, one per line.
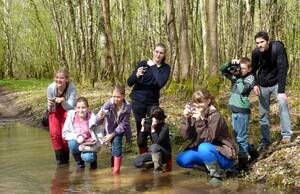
(213, 85)
(183, 89)
(24, 85)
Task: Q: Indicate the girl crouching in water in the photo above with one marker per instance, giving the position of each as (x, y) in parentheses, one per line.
(77, 131)
(211, 144)
(115, 114)
(160, 150)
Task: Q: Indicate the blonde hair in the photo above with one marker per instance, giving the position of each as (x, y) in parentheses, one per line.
(64, 71)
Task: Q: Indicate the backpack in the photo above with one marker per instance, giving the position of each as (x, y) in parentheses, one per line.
(274, 52)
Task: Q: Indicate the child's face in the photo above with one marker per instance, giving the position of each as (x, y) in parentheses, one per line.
(245, 69)
(60, 79)
(81, 109)
(118, 98)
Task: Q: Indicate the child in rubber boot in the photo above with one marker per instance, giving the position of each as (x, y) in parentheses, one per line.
(115, 114)
(242, 82)
(160, 150)
(211, 143)
(77, 131)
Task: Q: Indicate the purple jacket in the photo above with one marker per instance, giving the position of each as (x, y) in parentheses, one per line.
(114, 122)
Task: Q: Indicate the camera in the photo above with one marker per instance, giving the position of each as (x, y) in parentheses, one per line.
(234, 68)
(145, 68)
(52, 99)
(105, 111)
(148, 123)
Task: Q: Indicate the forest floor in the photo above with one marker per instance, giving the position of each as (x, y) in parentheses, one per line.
(278, 166)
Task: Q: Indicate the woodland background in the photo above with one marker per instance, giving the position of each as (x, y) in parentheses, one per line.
(103, 40)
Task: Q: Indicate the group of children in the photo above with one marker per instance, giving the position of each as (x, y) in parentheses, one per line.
(202, 124)
(82, 130)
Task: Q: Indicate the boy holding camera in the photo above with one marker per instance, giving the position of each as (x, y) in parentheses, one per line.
(160, 150)
(242, 82)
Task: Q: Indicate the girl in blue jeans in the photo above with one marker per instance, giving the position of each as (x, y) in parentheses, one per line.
(77, 132)
(211, 145)
(115, 114)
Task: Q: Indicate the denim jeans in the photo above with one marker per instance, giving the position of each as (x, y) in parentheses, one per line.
(264, 109)
(205, 153)
(116, 145)
(88, 157)
(240, 123)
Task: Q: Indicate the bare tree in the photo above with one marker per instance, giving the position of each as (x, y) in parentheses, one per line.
(108, 31)
(184, 41)
(172, 37)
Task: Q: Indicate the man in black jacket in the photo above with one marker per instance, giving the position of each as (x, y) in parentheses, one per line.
(270, 66)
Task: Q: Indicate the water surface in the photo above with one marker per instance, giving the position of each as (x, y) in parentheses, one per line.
(27, 165)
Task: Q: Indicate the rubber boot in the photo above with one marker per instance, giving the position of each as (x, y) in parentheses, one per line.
(66, 156)
(79, 161)
(112, 161)
(168, 167)
(156, 158)
(60, 160)
(143, 150)
(117, 165)
(243, 161)
(214, 172)
(93, 164)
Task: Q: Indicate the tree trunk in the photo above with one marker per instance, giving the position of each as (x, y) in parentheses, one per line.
(184, 42)
(108, 31)
(213, 36)
(239, 41)
(172, 37)
(204, 34)
(9, 40)
(248, 29)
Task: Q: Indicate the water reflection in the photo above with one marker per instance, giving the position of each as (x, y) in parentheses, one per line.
(61, 180)
(28, 166)
(148, 181)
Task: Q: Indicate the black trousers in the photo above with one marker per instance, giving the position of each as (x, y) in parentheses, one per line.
(141, 110)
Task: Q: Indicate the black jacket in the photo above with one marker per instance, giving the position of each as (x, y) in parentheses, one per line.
(146, 88)
(162, 137)
(271, 70)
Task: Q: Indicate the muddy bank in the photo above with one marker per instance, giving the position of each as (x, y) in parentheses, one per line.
(12, 112)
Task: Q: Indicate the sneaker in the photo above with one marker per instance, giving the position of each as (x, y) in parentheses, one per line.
(285, 140)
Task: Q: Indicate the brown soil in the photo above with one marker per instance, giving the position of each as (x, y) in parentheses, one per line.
(11, 111)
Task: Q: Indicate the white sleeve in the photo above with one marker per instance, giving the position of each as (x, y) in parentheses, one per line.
(68, 131)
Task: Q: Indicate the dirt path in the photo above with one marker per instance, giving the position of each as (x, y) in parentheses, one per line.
(10, 111)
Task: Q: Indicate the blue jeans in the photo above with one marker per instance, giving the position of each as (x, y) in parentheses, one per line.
(240, 123)
(205, 153)
(116, 145)
(88, 157)
(264, 109)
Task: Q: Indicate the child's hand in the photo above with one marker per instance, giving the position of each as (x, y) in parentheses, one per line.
(187, 112)
(153, 124)
(101, 115)
(80, 139)
(59, 100)
(197, 113)
(143, 125)
(140, 72)
(235, 61)
(143, 122)
(109, 137)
